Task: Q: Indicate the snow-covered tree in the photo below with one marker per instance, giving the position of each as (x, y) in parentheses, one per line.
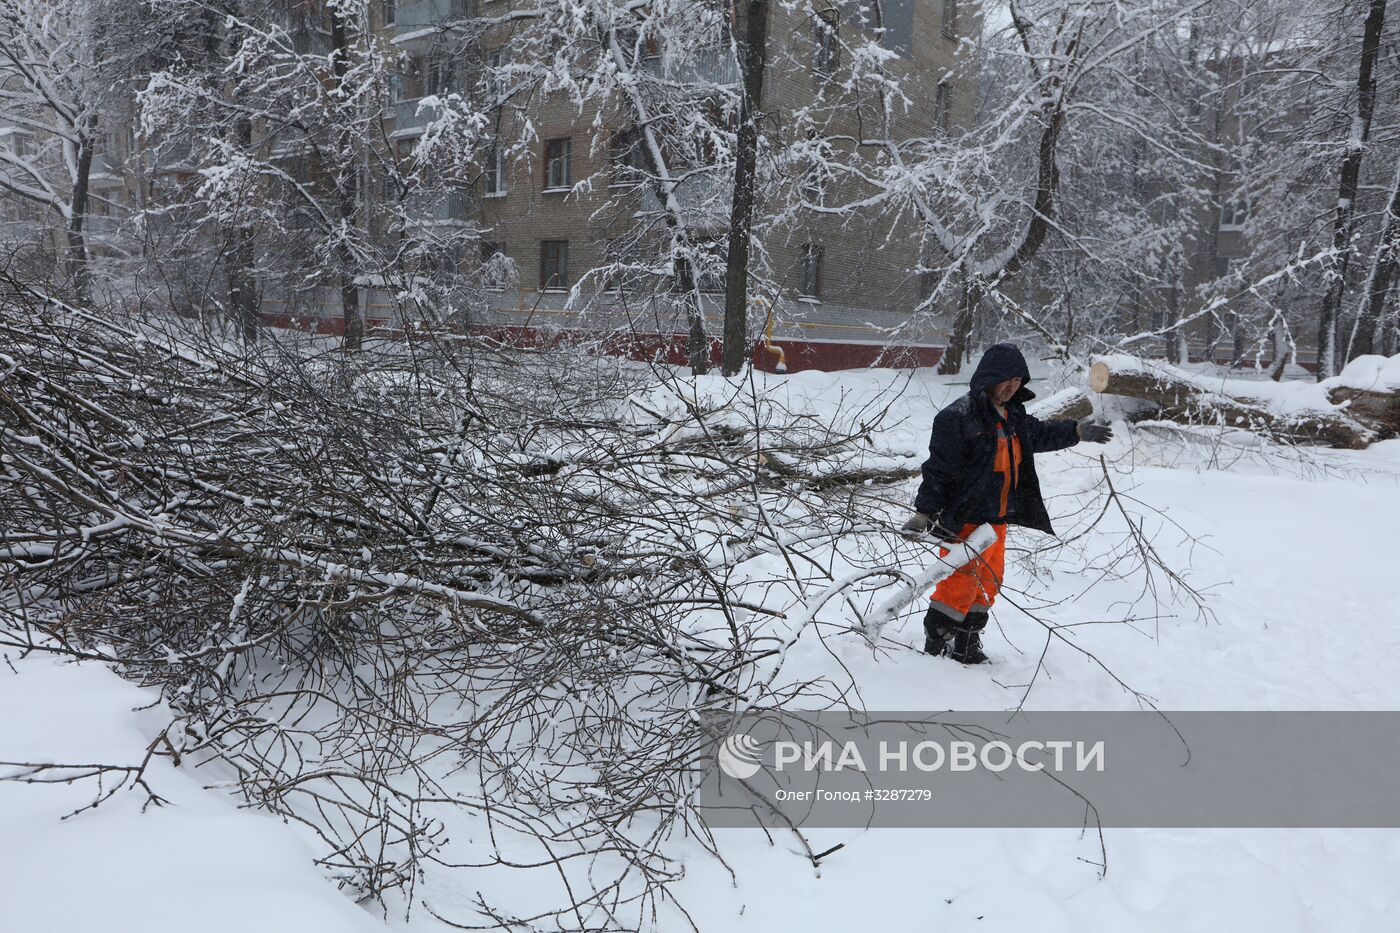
(282, 125)
(52, 98)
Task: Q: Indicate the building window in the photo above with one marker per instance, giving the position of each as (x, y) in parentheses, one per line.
(811, 284)
(554, 265)
(388, 7)
(440, 76)
(942, 106)
(629, 158)
(928, 281)
(557, 154)
(493, 173)
(1234, 212)
(828, 42)
(107, 142)
(950, 18)
(496, 61)
(1225, 266)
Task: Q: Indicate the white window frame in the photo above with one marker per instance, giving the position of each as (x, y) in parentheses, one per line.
(496, 59)
(544, 282)
(497, 173)
(566, 161)
(828, 39)
(1234, 213)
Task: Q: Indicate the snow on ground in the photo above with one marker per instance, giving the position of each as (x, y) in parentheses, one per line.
(1294, 551)
(197, 863)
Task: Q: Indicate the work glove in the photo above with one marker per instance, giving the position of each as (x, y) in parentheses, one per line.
(1093, 432)
(921, 526)
(917, 525)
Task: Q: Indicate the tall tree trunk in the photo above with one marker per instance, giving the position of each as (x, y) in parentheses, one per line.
(697, 344)
(347, 196)
(1175, 342)
(243, 297)
(242, 288)
(960, 340)
(1367, 335)
(1389, 324)
(77, 240)
(752, 42)
(1212, 245)
(1282, 348)
(1347, 191)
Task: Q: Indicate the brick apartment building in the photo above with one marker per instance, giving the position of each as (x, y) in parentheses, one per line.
(557, 209)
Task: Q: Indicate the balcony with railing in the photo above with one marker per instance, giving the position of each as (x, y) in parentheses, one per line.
(715, 66)
(431, 208)
(103, 225)
(704, 199)
(105, 165)
(409, 118)
(413, 18)
(104, 230)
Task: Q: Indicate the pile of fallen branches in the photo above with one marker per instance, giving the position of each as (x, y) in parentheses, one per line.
(363, 583)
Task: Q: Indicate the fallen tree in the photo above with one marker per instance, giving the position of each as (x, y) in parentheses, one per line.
(1071, 404)
(1379, 411)
(1188, 398)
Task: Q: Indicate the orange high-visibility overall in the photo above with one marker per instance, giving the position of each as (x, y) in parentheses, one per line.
(974, 587)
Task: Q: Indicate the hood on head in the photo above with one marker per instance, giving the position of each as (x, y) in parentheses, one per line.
(1000, 363)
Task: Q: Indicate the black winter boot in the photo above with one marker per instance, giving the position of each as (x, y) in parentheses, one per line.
(966, 646)
(939, 632)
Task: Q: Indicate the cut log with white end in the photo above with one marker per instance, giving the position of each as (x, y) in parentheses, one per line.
(1181, 399)
(1098, 377)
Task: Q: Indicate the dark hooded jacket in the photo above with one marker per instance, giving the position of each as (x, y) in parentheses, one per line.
(959, 485)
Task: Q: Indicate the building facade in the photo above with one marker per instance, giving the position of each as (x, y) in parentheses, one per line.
(573, 231)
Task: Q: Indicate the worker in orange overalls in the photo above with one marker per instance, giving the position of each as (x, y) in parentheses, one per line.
(981, 469)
